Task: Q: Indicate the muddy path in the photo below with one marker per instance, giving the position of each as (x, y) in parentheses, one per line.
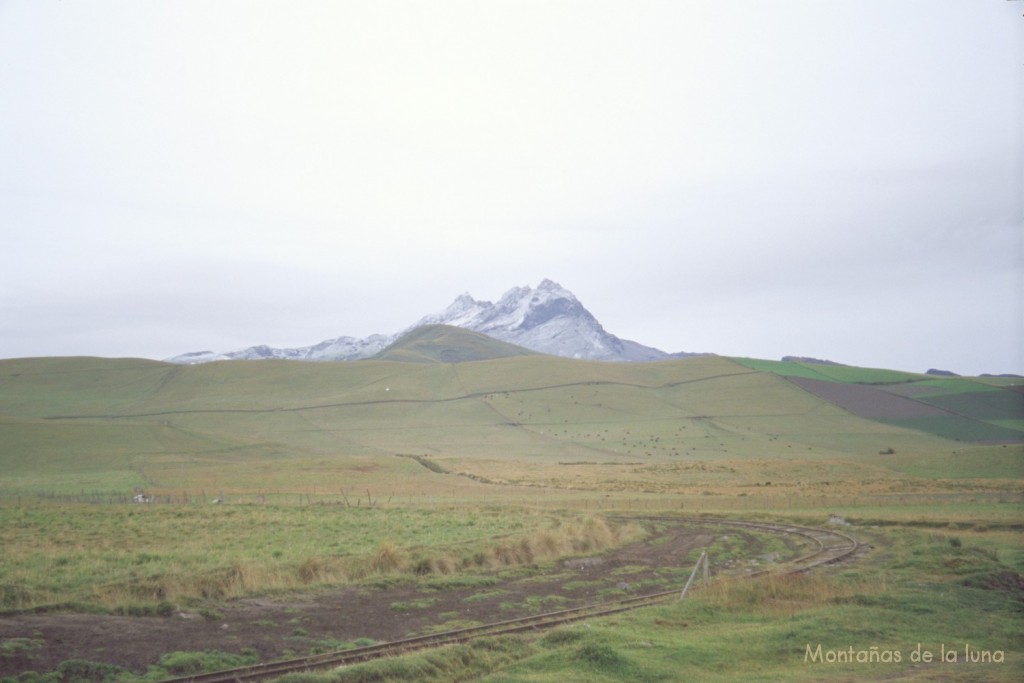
(295, 625)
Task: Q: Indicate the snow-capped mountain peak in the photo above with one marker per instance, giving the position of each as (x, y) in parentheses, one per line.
(548, 319)
(459, 313)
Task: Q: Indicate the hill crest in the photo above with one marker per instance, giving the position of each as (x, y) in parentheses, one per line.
(435, 343)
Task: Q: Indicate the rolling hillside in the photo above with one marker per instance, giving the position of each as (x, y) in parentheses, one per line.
(687, 425)
(979, 410)
(448, 344)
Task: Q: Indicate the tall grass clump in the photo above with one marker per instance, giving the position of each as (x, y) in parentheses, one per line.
(388, 559)
(587, 535)
(591, 534)
(785, 593)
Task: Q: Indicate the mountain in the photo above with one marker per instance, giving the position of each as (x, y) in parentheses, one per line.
(447, 344)
(548, 319)
(341, 348)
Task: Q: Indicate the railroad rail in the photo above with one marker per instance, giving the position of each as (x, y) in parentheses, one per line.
(830, 546)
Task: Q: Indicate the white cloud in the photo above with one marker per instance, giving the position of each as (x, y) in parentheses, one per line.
(343, 168)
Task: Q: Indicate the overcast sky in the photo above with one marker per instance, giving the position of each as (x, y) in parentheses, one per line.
(757, 178)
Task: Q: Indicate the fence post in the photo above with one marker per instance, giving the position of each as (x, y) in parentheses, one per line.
(702, 558)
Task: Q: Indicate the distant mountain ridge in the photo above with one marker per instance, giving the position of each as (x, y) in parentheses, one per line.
(548, 319)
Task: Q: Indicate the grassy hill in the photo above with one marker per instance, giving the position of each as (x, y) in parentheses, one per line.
(448, 344)
(689, 426)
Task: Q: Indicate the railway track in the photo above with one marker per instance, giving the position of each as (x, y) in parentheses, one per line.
(829, 546)
(832, 546)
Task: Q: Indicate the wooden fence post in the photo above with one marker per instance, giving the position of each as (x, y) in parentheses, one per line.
(702, 558)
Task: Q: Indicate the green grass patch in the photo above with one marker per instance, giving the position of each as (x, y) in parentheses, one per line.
(577, 585)
(410, 605)
(170, 665)
(473, 661)
(10, 647)
(981, 405)
(466, 581)
(835, 373)
(185, 663)
(485, 596)
(957, 428)
(537, 603)
(980, 462)
(145, 560)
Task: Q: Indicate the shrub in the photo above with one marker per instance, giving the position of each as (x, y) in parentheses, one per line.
(184, 663)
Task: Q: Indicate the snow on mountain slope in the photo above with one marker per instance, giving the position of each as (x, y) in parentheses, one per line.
(548, 319)
(341, 348)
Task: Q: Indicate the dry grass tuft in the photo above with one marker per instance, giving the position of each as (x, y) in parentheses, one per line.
(388, 559)
(312, 570)
(548, 544)
(785, 593)
(588, 535)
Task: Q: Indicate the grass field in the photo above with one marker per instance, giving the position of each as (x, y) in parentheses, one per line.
(128, 557)
(87, 425)
(333, 473)
(929, 591)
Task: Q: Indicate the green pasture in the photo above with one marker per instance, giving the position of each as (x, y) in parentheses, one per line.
(118, 555)
(996, 462)
(958, 428)
(990, 404)
(834, 373)
(91, 425)
(999, 380)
